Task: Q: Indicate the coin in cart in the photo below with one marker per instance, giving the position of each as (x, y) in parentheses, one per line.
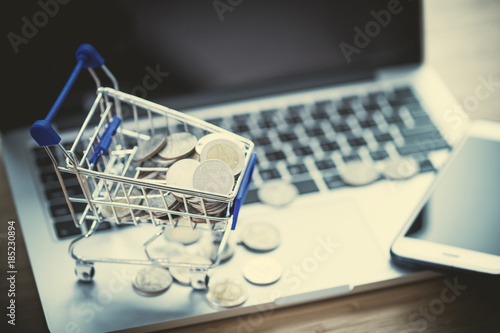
(152, 281)
(183, 274)
(149, 148)
(179, 145)
(277, 193)
(226, 293)
(262, 271)
(224, 150)
(260, 236)
(213, 176)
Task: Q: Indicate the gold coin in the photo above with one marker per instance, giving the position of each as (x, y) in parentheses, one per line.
(226, 151)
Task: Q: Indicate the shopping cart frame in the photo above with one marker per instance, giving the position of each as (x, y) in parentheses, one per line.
(109, 142)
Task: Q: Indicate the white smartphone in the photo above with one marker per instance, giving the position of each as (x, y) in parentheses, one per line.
(457, 224)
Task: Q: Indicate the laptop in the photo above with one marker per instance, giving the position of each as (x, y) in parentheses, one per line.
(315, 85)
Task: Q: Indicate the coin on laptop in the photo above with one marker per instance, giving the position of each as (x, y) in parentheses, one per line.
(152, 281)
(262, 271)
(358, 173)
(260, 236)
(227, 151)
(149, 148)
(277, 193)
(213, 176)
(401, 168)
(178, 145)
(226, 293)
(183, 274)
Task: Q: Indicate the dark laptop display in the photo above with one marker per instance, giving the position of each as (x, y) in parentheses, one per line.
(202, 52)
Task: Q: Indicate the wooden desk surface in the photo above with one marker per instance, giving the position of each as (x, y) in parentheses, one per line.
(463, 45)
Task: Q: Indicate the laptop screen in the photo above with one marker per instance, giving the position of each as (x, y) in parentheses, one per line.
(189, 53)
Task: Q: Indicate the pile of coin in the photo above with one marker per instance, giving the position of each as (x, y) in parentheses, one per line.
(211, 164)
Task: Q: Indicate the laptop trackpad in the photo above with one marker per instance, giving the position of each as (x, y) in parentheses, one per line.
(324, 245)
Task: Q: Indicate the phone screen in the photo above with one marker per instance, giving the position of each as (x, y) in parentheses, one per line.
(464, 209)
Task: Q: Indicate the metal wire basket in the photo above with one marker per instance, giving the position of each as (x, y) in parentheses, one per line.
(117, 189)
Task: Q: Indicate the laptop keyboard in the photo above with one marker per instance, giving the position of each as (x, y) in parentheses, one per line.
(302, 144)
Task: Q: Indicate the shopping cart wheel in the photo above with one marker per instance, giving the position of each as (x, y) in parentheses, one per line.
(199, 279)
(84, 271)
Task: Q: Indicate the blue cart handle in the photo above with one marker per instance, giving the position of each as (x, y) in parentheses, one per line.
(242, 192)
(42, 130)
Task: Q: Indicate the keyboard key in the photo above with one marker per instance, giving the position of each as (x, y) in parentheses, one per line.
(276, 155)
(426, 166)
(378, 155)
(367, 123)
(329, 146)
(240, 128)
(288, 137)
(394, 119)
(423, 137)
(302, 151)
(268, 114)
(341, 127)
(325, 165)
(241, 118)
(356, 142)
(404, 93)
(293, 120)
(422, 130)
(345, 111)
(306, 186)
(297, 169)
(333, 182)
(57, 193)
(251, 197)
(270, 173)
(314, 132)
(383, 137)
(266, 123)
(262, 140)
(214, 121)
(102, 226)
(66, 228)
(63, 209)
(422, 147)
(351, 157)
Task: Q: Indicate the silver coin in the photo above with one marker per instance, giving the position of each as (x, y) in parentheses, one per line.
(401, 168)
(134, 197)
(152, 281)
(182, 233)
(180, 174)
(262, 271)
(213, 176)
(156, 201)
(260, 236)
(277, 193)
(226, 293)
(178, 145)
(227, 151)
(183, 274)
(358, 173)
(202, 142)
(208, 249)
(149, 148)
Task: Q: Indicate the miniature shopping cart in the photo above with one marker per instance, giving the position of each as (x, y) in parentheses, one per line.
(113, 185)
